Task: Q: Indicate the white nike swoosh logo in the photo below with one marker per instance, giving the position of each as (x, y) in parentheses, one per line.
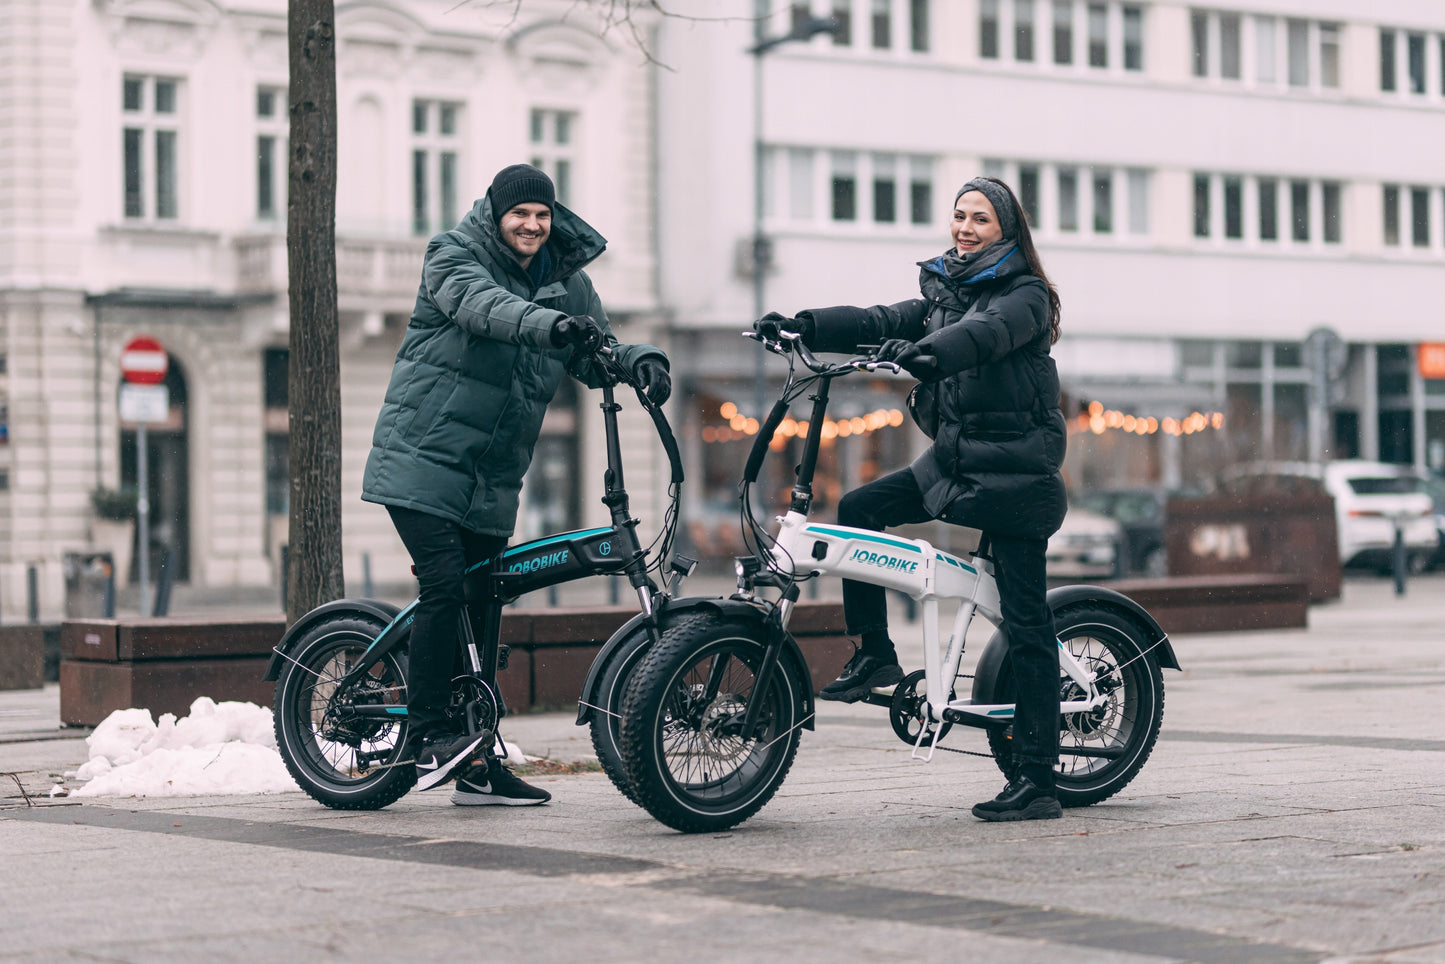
(424, 766)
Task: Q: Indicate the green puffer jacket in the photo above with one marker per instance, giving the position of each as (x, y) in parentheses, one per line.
(476, 370)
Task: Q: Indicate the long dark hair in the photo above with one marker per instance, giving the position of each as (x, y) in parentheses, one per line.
(1031, 255)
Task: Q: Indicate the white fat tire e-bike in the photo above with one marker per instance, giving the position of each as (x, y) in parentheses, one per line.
(712, 714)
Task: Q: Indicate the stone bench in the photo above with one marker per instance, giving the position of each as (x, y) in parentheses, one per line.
(1221, 604)
(163, 664)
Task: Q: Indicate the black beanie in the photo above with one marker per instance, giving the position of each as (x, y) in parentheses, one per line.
(520, 184)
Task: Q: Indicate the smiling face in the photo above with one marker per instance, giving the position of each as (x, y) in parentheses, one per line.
(524, 229)
(975, 224)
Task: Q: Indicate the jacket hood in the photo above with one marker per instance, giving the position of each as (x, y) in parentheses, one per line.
(573, 242)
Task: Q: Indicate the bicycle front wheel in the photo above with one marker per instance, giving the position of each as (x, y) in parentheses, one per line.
(693, 761)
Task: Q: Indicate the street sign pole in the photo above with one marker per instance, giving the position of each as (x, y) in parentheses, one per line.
(143, 519)
(143, 365)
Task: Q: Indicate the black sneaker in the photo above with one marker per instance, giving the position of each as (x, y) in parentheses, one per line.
(861, 674)
(1022, 799)
(439, 756)
(496, 786)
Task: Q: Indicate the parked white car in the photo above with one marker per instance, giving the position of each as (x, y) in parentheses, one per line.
(1371, 498)
(1086, 546)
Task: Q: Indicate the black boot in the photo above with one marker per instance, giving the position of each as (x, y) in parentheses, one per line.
(861, 674)
(1022, 799)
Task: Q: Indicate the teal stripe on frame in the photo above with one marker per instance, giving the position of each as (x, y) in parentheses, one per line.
(944, 557)
(851, 534)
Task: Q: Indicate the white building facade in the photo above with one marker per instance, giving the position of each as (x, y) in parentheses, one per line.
(1208, 184)
(144, 193)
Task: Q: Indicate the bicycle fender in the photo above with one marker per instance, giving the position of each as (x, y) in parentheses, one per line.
(384, 611)
(1112, 599)
(995, 651)
(667, 616)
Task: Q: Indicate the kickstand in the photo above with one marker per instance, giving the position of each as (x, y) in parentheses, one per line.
(923, 730)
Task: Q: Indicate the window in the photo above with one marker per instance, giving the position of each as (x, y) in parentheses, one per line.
(1298, 41)
(1233, 207)
(918, 25)
(842, 23)
(1330, 200)
(1024, 30)
(1063, 31)
(845, 186)
(1201, 205)
(1098, 35)
(1268, 209)
(1029, 192)
(885, 188)
(920, 190)
(274, 372)
(150, 108)
(882, 21)
(1299, 205)
(1133, 38)
(433, 166)
(1229, 46)
(1329, 55)
(1415, 61)
(1199, 34)
(1138, 201)
(988, 29)
(1103, 201)
(554, 148)
(799, 13)
(1068, 199)
(1392, 214)
(271, 132)
(1387, 60)
(1420, 217)
(1265, 43)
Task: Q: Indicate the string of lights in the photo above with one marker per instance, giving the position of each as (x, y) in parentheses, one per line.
(1098, 420)
(740, 426)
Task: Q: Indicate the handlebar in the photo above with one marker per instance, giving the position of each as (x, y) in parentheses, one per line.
(613, 368)
(791, 343)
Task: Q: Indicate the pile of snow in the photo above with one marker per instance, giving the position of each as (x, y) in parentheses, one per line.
(220, 748)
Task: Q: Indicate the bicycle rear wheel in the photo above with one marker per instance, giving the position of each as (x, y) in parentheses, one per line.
(690, 762)
(341, 759)
(1102, 750)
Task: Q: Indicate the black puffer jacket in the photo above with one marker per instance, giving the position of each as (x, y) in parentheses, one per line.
(993, 412)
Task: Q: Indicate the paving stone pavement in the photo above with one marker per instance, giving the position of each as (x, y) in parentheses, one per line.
(1292, 811)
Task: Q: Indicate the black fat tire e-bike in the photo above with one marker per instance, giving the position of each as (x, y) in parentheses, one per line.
(712, 714)
(340, 670)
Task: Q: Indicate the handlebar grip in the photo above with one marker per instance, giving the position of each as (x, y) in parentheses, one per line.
(760, 444)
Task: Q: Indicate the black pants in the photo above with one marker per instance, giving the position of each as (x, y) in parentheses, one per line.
(441, 551)
(895, 500)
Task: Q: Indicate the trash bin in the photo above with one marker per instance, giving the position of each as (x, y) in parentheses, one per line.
(89, 585)
(1281, 531)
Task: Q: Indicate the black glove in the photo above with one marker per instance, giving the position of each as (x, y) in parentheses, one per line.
(772, 325)
(653, 379)
(581, 331)
(907, 355)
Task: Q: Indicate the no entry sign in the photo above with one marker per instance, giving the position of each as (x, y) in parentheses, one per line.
(143, 361)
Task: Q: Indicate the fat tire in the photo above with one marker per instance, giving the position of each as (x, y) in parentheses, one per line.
(645, 708)
(296, 738)
(1144, 713)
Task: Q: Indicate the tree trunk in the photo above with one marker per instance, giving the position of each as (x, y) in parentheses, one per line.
(314, 383)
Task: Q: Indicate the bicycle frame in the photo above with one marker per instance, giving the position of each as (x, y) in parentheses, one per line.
(537, 564)
(802, 549)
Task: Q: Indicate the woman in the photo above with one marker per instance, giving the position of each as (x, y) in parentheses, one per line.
(978, 340)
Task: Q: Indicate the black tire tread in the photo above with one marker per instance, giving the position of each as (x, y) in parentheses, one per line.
(645, 691)
(392, 786)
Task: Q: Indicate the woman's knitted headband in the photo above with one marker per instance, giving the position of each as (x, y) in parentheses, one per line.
(998, 196)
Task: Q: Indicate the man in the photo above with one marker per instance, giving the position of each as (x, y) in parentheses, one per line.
(503, 313)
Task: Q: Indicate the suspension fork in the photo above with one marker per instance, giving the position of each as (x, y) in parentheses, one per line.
(776, 625)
